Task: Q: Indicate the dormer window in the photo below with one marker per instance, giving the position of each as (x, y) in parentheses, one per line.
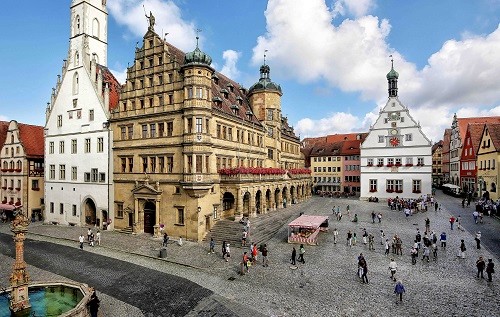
(235, 109)
(249, 114)
(215, 78)
(230, 87)
(224, 93)
(239, 100)
(217, 101)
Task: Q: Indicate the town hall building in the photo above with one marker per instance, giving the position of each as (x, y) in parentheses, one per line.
(396, 157)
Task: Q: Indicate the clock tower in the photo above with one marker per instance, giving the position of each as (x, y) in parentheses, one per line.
(396, 157)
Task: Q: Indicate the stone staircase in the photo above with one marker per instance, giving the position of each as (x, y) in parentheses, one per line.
(262, 228)
(127, 230)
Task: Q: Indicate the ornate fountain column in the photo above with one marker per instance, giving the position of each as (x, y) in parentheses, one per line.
(19, 278)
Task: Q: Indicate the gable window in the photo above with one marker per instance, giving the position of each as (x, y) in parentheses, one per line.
(51, 148)
(73, 146)
(59, 120)
(381, 139)
(87, 145)
(91, 115)
(408, 137)
(100, 145)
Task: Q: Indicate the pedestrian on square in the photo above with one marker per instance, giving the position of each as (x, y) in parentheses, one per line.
(387, 246)
(212, 246)
(302, 250)
(481, 215)
(461, 251)
(436, 206)
(414, 255)
(81, 239)
(490, 269)
(434, 251)
(89, 233)
(371, 239)
(379, 216)
(354, 239)
(165, 240)
(427, 224)
(294, 255)
(365, 236)
(91, 240)
(349, 238)
(228, 252)
(382, 237)
(348, 209)
(478, 240)
(399, 246)
(393, 268)
(481, 265)
(373, 216)
(93, 304)
(223, 250)
(255, 252)
(399, 289)
(98, 237)
(244, 263)
(475, 215)
(264, 256)
(442, 238)
(339, 214)
(418, 238)
(244, 238)
(426, 253)
(364, 276)
(452, 221)
(335, 235)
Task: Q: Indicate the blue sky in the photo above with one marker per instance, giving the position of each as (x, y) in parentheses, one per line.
(330, 57)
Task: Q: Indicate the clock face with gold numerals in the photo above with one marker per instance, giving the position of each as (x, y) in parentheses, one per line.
(394, 141)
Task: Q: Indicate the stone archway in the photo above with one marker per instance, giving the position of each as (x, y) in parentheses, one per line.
(258, 201)
(293, 195)
(149, 217)
(246, 204)
(268, 199)
(90, 212)
(284, 196)
(227, 202)
(277, 199)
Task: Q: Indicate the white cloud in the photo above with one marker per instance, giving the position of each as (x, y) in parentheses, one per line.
(230, 59)
(339, 122)
(356, 8)
(4, 118)
(130, 13)
(305, 44)
(120, 75)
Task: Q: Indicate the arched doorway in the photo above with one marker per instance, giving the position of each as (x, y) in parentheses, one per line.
(258, 204)
(268, 199)
(284, 197)
(276, 198)
(227, 201)
(293, 195)
(246, 204)
(149, 216)
(90, 212)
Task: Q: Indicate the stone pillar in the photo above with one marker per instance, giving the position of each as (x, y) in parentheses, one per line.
(239, 205)
(157, 233)
(135, 227)
(272, 203)
(19, 278)
(252, 212)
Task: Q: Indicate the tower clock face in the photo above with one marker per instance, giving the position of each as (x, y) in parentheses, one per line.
(394, 132)
(394, 141)
(394, 115)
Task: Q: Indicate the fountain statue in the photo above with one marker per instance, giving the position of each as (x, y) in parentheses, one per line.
(19, 278)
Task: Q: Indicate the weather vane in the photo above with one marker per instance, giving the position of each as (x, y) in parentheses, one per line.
(197, 36)
(265, 51)
(392, 61)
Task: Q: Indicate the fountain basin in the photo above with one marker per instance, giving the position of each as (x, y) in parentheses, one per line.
(51, 299)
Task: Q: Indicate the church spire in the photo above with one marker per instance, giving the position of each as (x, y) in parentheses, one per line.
(392, 78)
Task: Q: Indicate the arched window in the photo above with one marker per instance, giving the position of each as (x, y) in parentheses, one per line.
(5, 165)
(11, 165)
(77, 58)
(96, 57)
(76, 29)
(19, 165)
(12, 138)
(75, 83)
(95, 28)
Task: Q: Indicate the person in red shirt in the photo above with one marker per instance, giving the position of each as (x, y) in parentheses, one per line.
(244, 264)
(452, 221)
(254, 253)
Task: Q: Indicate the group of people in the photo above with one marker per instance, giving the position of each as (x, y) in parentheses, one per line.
(92, 238)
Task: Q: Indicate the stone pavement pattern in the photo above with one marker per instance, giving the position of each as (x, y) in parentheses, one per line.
(326, 285)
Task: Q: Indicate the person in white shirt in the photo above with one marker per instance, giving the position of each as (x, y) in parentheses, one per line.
(393, 267)
(81, 239)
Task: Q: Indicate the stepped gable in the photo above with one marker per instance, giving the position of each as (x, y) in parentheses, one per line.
(436, 145)
(463, 122)
(4, 127)
(32, 139)
(221, 87)
(475, 131)
(114, 86)
(494, 132)
(287, 130)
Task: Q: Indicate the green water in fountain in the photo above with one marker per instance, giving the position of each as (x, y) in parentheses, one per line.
(46, 301)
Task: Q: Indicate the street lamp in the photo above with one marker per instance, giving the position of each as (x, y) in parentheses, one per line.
(480, 181)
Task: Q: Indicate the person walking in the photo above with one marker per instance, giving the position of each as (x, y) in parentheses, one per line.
(387, 246)
(371, 239)
(254, 253)
(393, 268)
(165, 240)
(354, 239)
(294, 255)
(212, 246)
(335, 235)
(382, 237)
(89, 233)
(414, 255)
(364, 276)
(475, 215)
(399, 289)
(442, 238)
(223, 250)
(82, 240)
(244, 238)
(461, 251)
(349, 238)
(302, 250)
(426, 253)
(98, 237)
(490, 269)
(365, 237)
(379, 216)
(427, 225)
(452, 221)
(478, 240)
(244, 263)
(373, 216)
(481, 265)
(264, 256)
(93, 304)
(228, 252)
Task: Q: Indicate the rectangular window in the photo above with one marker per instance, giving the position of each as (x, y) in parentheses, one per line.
(408, 137)
(269, 114)
(370, 162)
(160, 101)
(130, 164)
(152, 164)
(398, 161)
(381, 139)
(189, 125)
(161, 164)
(161, 129)
(417, 186)
(199, 125)
(144, 164)
(409, 161)
(170, 99)
(61, 147)
(380, 161)
(219, 131)
(119, 210)
(270, 154)
(152, 130)
(373, 185)
(144, 131)
(51, 148)
(100, 145)
(123, 164)
(61, 208)
(170, 164)
(94, 175)
(59, 120)
(189, 164)
(420, 161)
(199, 163)
(180, 216)
(170, 128)
(230, 134)
(199, 93)
(73, 209)
(102, 177)
(86, 177)
(130, 130)
(270, 132)
(52, 171)
(91, 115)
(87, 145)
(51, 208)
(34, 184)
(74, 173)
(74, 146)
(390, 161)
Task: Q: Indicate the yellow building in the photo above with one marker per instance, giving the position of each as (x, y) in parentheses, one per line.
(488, 156)
(326, 167)
(192, 146)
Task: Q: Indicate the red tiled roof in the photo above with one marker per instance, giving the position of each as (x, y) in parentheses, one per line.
(446, 140)
(437, 145)
(4, 127)
(463, 122)
(351, 147)
(345, 137)
(114, 86)
(475, 130)
(326, 149)
(32, 139)
(494, 132)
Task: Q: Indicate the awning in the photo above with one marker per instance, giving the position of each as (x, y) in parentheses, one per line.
(307, 221)
(7, 207)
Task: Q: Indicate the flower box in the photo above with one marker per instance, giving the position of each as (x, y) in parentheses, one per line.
(18, 203)
(408, 165)
(10, 170)
(11, 202)
(4, 169)
(380, 165)
(18, 169)
(11, 188)
(373, 190)
(4, 201)
(4, 188)
(18, 189)
(417, 191)
(399, 191)
(370, 165)
(390, 165)
(398, 164)
(35, 189)
(389, 190)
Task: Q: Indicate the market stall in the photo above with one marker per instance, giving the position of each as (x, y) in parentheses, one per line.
(305, 229)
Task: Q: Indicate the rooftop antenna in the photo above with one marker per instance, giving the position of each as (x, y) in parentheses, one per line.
(265, 51)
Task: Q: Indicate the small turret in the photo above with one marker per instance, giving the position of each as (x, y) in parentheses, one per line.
(392, 79)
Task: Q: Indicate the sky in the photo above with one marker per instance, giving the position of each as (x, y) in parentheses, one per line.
(330, 57)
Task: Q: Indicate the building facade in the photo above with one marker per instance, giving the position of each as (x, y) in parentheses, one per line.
(191, 146)
(78, 181)
(446, 156)
(22, 170)
(437, 164)
(468, 158)
(326, 168)
(396, 158)
(488, 155)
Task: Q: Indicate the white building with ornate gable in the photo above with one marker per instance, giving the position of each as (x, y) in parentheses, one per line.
(396, 156)
(78, 175)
